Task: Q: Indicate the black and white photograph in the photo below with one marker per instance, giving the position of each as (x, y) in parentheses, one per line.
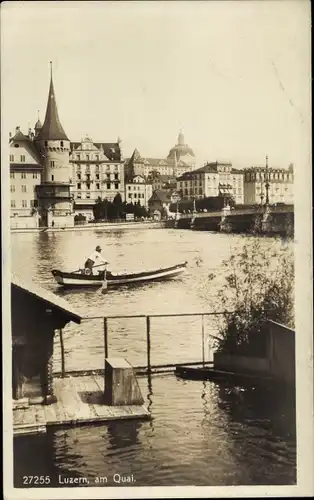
(156, 249)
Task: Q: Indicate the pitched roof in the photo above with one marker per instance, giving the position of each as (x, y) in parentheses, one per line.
(22, 138)
(45, 296)
(111, 149)
(162, 195)
(52, 128)
(164, 178)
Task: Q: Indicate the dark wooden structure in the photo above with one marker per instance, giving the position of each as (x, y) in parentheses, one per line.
(35, 316)
(121, 386)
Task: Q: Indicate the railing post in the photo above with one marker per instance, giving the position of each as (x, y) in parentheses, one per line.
(106, 337)
(62, 353)
(148, 343)
(203, 340)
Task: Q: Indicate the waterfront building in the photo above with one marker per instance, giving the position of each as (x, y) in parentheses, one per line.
(164, 182)
(160, 201)
(213, 179)
(53, 145)
(138, 190)
(97, 170)
(25, 174)
(280, 185)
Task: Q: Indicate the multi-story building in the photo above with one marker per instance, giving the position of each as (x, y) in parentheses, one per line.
(164, 182)
(213, 179)
(280, 185)
(138, 190)
(180, 159)
(97, 172)
(25, 173)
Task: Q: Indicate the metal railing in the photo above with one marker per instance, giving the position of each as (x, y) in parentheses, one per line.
(148, 367)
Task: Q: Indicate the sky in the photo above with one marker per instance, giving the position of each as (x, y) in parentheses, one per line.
(234, 76)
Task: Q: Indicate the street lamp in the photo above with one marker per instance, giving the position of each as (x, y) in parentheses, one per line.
(267, 183)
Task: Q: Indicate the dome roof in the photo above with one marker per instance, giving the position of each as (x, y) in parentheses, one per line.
(180, 149)
(38, 124)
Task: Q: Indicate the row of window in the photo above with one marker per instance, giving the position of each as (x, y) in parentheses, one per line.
(272, 176)
(22, 158)
(136, 195)
(88, 177)
(24, 203)
(108, 185)
(97, 167)
(24, 174)
(23, 188)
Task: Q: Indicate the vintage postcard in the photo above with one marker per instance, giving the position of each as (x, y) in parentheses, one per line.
(157, 250)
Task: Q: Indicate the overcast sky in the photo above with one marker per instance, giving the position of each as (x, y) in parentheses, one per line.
(233, 75)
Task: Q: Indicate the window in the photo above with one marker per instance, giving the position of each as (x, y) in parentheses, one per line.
(87, 195)
(88, 177)
(79, 176)
(23, 175)
(34, 175)
(23, 188)
(52, 163)
(22, 157)
(97, 185)
(87, 157)
(135, 195)
(108, 185)
(129, 187)
(11, 157)
(130, 195)
(12, 175)
(12, 188)
(88, 185)
(12, 203)
(61, 144)
(97, 177)
(32, 203)
(78, 157)
(46, 144)
(79, 196)
(24, 203)
(116, 186)
(97, 158)
(79, 186)
(52, 177)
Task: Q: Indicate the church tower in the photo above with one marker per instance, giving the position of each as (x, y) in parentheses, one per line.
(54, 197)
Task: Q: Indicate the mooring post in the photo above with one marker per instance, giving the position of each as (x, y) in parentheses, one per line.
(62, 354)
(148, 343)
(203, 340)
(106, 337)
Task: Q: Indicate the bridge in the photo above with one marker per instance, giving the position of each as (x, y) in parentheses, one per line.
(273, 219)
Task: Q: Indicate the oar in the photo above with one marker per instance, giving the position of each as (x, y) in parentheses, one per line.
(98, 265)
(104, 285)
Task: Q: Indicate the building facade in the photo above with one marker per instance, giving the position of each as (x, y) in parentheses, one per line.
(97, 171)
(138, 190)
(25, 174)
(213, 179)
(280, 185)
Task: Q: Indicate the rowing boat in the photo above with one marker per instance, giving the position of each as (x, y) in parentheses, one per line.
(85, 278)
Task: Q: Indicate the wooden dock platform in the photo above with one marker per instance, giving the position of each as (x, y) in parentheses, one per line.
(79, 401)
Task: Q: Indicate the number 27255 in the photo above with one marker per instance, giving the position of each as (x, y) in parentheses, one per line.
(36, 480)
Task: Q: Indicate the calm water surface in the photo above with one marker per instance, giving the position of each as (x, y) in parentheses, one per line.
(201, 433)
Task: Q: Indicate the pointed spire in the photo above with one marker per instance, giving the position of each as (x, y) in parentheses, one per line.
(181, 138)
(52, 128)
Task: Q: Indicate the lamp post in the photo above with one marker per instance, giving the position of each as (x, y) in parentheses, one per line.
(267, 183)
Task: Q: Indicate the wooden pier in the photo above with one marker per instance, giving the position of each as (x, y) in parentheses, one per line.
(80, 400)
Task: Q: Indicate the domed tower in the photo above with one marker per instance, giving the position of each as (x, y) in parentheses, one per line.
(53, 145)
(38, 126)
(181, 151)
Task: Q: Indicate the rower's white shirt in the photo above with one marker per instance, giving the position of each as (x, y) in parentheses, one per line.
(97, 258)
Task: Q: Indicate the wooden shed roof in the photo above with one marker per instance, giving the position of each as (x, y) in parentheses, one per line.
(45, 296)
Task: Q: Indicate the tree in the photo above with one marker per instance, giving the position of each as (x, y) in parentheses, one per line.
(258, 285)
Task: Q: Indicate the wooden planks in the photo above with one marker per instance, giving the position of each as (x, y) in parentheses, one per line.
(80, 400)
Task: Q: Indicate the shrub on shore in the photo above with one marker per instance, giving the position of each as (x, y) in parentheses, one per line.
(258, 285)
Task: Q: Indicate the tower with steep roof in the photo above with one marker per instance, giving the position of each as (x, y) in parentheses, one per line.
(53, 145)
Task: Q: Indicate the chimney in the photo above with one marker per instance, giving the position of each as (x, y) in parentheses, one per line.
(10, 135)
(17, 129)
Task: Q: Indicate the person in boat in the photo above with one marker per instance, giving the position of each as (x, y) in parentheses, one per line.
(95, 260)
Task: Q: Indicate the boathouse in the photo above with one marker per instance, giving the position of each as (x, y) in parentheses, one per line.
(35, 316)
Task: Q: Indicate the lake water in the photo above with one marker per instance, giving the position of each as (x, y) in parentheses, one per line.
(201, 433)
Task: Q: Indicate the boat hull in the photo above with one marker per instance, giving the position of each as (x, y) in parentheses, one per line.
(80, 279)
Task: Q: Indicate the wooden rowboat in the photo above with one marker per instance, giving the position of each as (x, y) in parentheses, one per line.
(83, 279)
